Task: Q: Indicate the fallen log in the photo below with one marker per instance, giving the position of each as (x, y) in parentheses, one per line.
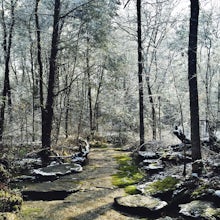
(181, 136)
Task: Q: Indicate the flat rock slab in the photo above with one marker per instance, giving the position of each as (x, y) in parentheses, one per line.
(140, 204)
(154, 168)
(53, 171)
(200, 210)
(56, 190)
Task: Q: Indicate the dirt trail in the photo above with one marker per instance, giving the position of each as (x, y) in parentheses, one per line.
(93, 201)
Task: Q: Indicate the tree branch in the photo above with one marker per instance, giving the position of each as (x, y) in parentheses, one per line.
(77, 7)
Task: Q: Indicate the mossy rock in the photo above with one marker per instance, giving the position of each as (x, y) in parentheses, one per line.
(159, 186)
(200, 210)
(199, 191)
(132, 190)
(10, 201)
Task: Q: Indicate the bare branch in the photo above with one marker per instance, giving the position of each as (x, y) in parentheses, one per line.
(74, 9)
(126, 3)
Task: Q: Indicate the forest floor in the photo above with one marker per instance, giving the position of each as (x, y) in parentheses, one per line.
(95, 198)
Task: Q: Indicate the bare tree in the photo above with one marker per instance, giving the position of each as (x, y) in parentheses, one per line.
(7, 44)
(140, 74)
(47, 114)
(193, 90)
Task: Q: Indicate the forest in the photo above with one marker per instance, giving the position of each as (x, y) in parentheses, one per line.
(121, 96)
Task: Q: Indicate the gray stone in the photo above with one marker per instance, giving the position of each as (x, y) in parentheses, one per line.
(148, 155)
(56, 190)
(27, 164)
(153, 167)
(200, 210)
(140, 204)
(54, 171)
(23, 178)
(150, 161)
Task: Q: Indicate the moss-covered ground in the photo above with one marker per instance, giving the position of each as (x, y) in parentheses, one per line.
(128, 174)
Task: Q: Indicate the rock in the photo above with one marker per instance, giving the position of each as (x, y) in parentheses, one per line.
(79, 159)
(162, 189)
(215, 164)
(215, 147)
(26, 164)
(148, 155)
(184, 191)
(24, 178)
(47, 191)
(200, 210)
(216, 198)
(143, 205)
(150, 161)
(153, 168)
(54, 171)
(175, 157)
(165, 218)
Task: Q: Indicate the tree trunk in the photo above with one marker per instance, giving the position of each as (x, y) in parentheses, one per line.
(153, 111)
(193, 91)
(96, 107)
(7, 43)
(89, 89)
(67, 105)
(140, 74)
(47, 115)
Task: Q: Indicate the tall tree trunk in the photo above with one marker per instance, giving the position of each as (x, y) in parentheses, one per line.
(140, 74)
(218, 111)
(89, 89)
(67, 106)
(193, 91)
(7, 43)
(40, 64)
(96, 106)
(47, 116)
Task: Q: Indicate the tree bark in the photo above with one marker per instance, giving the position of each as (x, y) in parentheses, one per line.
(140, 74)
(153, 111)
(7, 43)
(47, 116)
(89, 93)
(193, 91)
(39, 56)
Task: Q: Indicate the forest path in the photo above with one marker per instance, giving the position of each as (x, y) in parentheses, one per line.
(95, 198)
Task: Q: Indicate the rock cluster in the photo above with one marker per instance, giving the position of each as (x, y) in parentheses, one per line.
(177, 197)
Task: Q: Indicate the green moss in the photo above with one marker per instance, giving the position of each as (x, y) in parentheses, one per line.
(132, 190)
(127, 175)
(199, 191)
(10, 201)
(163, 185)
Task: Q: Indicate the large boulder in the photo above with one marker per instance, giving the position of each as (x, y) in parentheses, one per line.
(200, 210)
(162, 188)
(47, 191)
(141, 205)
